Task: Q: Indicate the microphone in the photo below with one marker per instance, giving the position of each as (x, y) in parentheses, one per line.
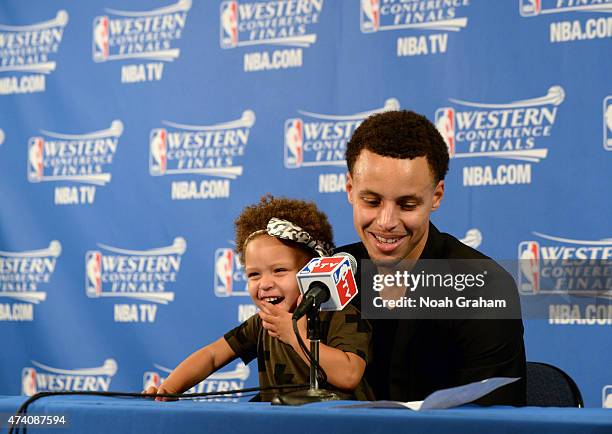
(327, 283)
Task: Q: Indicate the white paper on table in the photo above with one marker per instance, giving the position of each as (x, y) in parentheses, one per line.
(445, 398)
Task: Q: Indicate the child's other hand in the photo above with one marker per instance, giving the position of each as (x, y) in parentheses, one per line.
(277, 322)
(151, 390)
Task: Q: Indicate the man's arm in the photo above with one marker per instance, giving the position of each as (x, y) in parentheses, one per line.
(493, 348)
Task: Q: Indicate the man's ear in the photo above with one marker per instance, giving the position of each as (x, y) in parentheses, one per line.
(438, 195)
(349, 187)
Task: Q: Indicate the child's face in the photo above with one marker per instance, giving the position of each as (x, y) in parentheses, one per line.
(271, 267)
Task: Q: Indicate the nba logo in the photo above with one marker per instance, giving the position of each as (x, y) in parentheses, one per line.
(530, 8)
(445, 123)
(308, 267)
(294, 143)
(157, 155)
(606, 397)
(93, 273)
(607, 121)
(370, 16)
(28, 382)
(529, 267)
(100, 39)
(224, 272)
(35, 159)
(229, 24)
(150, 379)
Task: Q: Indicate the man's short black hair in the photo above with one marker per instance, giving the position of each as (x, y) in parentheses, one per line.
(400, 134)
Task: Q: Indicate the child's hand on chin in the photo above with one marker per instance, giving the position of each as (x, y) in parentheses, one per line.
(278, 323)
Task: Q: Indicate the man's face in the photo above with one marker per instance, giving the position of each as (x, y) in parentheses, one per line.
(392, 199)
(270, 267)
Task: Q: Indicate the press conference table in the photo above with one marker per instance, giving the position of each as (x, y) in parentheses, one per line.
(86, 414)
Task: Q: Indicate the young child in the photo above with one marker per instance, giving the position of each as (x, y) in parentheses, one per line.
(275, 239)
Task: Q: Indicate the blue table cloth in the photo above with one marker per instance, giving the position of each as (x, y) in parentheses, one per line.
(88, 414)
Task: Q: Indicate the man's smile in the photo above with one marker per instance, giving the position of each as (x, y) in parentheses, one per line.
(387, 242)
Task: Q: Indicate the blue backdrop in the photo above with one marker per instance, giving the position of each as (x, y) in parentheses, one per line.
(133, 133)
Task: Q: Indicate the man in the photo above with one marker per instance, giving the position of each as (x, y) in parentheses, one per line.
(397, 162)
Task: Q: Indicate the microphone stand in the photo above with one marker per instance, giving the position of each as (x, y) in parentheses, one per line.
(314, 393)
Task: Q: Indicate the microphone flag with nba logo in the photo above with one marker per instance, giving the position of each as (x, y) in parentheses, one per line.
(328, 281)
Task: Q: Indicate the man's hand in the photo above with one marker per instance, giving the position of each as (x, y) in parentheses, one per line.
(278, 324)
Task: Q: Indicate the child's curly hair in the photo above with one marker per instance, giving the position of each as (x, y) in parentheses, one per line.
(301, 213)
